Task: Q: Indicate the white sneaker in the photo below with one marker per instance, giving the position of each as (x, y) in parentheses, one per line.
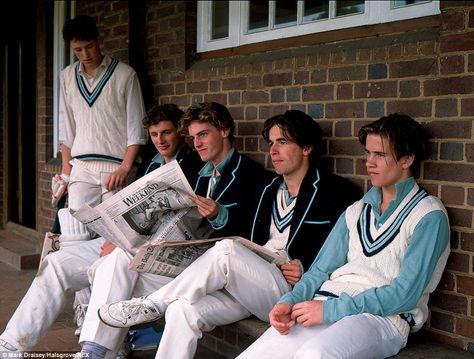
(79, 316)
(128, 313)
(7, 347)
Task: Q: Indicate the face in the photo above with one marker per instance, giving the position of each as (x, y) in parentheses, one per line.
(211, 143)
(288, 157)
(382, 165)
(87, 52)
(166, 139)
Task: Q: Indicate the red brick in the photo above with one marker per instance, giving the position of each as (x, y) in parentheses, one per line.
(301, 78)
(471, 18)
(465, 327)
(452, 303)
(452, 20)
(460, 217)
(278, 79)
(457, 42)
(234, 83)
(344, 91)
(197, 87)
(467, 107)
(420, 67)
(269, 111)
(375, 89)
(449, 129)
(319, 76)
(349, 73)
(447, 282)
(449, 86)
(345, 110)
(458, 262)
(452, 195)
(465, 285)
(249, 97)
(467, 242)
(409, 88)
(469, 153)
(414, 108)
(442, 321)
(446, 107)
(277, 95)
(452, 65)
(318, 93)
(345, 147)
(454, 172)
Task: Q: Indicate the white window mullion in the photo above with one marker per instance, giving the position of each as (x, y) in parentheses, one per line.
(376, 11)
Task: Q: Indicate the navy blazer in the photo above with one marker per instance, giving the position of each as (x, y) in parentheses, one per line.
(322, 198)
(238, 190)
(189, 161)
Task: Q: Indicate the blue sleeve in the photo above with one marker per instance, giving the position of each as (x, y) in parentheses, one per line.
(221, 219)
(429, 240)
(332, 255)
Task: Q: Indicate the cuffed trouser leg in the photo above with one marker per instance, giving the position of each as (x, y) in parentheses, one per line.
(357, 336)
(60, 272)
(185, 323)
(253, 282)
(113, 281)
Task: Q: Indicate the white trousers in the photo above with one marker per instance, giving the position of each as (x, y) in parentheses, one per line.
(358, 336)
(112, 281)
(60, 272)
(226, 284)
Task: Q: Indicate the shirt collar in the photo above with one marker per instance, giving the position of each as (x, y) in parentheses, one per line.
(374, 195)
(106, 60)
(208, 168)
(160, 159)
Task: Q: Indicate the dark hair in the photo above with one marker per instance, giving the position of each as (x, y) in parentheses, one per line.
(211, 112)
(300, 128)
(82, 27)
(166, 112)
(407, 137)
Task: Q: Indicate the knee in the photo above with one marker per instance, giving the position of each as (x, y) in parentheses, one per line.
(183, 312)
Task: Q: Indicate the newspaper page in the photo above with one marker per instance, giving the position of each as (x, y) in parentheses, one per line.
(146, 210)
(171, 258)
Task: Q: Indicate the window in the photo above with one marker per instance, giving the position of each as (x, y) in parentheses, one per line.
(224, 24)
(62, 57)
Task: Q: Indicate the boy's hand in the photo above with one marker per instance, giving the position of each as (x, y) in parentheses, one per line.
(308, 313)
(207, 207)
(280, 318)
(291, 271)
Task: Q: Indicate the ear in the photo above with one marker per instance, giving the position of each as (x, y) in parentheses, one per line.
(407, 161)
(225, 133)
(307, 150)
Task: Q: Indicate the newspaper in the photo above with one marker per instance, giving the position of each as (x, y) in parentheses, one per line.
(170, 258)
(155, 207)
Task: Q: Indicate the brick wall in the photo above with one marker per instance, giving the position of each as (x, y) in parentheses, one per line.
(427, 73)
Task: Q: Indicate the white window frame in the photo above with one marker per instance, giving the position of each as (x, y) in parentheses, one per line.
(375, 12)
(63, 10)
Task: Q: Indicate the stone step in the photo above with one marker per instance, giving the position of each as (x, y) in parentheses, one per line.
(20, 247)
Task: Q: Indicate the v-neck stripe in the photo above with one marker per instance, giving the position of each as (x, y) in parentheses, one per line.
(91, 97)
(372, 245)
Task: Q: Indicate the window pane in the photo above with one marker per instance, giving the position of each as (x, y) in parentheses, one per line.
(349, 7)
(258, 15)
(401, 3)
(285, 13)
(315, 10)
(220, 20)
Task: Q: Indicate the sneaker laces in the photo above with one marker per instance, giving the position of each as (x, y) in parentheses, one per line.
(131, 309)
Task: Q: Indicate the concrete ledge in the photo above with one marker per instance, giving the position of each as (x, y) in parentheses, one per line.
(19, 250)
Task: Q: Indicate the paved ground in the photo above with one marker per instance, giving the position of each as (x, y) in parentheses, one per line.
(14, 285)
